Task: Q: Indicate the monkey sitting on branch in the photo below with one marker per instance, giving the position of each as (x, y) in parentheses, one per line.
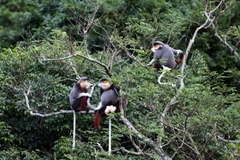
(109, 101)
(164, 60)
(165, 54)
(80, 97)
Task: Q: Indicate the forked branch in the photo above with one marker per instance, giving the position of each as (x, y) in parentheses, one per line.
(31, 111)
(209, 20)
(79, 54)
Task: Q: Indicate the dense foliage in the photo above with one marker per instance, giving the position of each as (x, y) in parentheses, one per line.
(45, 45)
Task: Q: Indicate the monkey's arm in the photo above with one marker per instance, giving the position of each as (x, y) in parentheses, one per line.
(157, 54)
(103, 103)
(154, 58)
(176, 51)
(151, 62)
(180, 55)
(89, 105)
(84, 94)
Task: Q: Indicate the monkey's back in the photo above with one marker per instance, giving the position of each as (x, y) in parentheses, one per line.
(109, 97)
(167, 56)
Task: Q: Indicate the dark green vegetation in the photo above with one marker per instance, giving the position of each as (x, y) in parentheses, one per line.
(198, 119)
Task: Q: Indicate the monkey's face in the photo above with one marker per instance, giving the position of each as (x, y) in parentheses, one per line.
(155, 47)
(104, 84)
(86, 84)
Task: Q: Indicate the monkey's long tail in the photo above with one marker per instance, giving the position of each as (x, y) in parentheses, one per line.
(161, 76)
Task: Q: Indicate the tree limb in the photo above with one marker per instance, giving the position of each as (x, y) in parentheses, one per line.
(132, 152)
(76, 54)
(133, 57)
(233, 50)
(190, 44)
(74, 69)
(227, 140)
(26, 93)
(148, 141)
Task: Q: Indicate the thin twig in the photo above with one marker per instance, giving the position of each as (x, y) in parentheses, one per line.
(133, 57)
(227, 140)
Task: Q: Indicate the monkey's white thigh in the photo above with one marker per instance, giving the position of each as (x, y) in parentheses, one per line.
(107, 110)
(113, 109)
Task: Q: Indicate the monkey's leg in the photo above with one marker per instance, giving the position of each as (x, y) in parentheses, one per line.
(107, 110)
(97, 120)
(113, 109)
(110, 109)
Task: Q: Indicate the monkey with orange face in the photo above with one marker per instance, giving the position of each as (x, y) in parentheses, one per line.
(79, 95)
(109, 101)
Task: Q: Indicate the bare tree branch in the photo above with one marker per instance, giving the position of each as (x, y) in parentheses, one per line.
(179, 147)
(236, 46)
(133, 153)
(74, 69)
(134, 144)
(26, 93)
(148, 141)
(85, 30)
(227, 140)
(133, 57)
(233, 50)
(208, 21)
(193, 143)
(100, 146)
(76, 54)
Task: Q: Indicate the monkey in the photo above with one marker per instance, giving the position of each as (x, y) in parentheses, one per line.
(166, 55)
(79, 95)
(109, 101)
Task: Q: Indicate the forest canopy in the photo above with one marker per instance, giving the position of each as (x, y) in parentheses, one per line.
(194, 113)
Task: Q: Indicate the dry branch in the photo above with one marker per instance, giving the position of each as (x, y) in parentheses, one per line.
(148, 141)
(26, 93)
(80, 55)
(233, 50)
(227, 140)
(209, 20)
(133, 57)
(132, 152)
(74, 69)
